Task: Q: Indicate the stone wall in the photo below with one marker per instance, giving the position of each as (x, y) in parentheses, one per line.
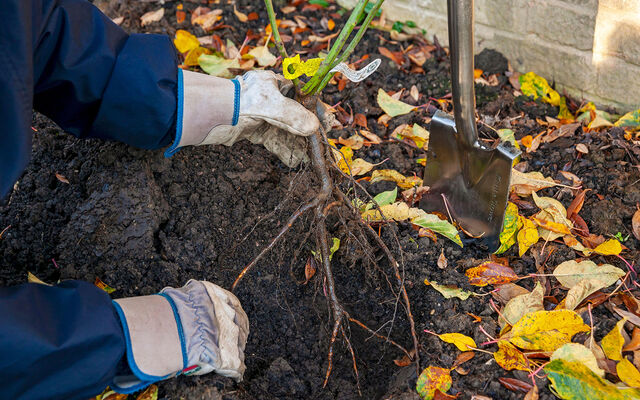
(591, 48)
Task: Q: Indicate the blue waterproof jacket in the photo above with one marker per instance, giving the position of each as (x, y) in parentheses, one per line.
(67, 60)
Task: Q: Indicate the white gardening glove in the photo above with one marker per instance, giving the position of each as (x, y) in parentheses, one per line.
(196, 329)
(213, 110)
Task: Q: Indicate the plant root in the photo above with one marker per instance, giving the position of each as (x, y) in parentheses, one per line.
(328, 198)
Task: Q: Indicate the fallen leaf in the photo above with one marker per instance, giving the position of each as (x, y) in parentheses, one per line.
(575, 381)
(370, 136)
(532, 394)
(463, 358)
(521, 305)
(546, 330)
(101, 285)
(150, 393)
(462, 342)
(575, 352)
(414, 194)
(415, 94)
(628, 373)
(635, 224)
(611, 247)
(432, 379)
(523, 184)
(118, 20)
(537, 87)
(263, 56)
(361, 120)
(515, 385)
(527, 236)
(449, 291)
(206, 19)
(613, 342)
(387, 197)
(396, 57)
(582, 148)
(443, 227)
(630, 121)
(61, 178)
(185, 41)
(241, 17)
(31, 278)
(577, 203)
(509, 357)
(310, 269)
(510, 227)
(402, 181)
(151, 17)
(634, 344)
(217, 66)
(442, 260)
(490, 273)
(584, 278)
(505, 292)
(552, 211)
(392, 106)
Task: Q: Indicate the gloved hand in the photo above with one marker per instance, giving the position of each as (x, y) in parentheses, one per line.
(193, 330)
(213, 110)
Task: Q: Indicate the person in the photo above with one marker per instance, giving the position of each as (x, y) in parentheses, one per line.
(67, 60)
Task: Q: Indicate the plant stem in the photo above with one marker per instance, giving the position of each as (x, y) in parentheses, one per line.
(274, 28)
(325, 67)
(349, 50)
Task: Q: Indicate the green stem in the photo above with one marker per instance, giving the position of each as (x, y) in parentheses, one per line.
(325, 67)
(274, 28)
(352, 46)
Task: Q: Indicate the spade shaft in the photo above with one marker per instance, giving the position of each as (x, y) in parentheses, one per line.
(468, 180)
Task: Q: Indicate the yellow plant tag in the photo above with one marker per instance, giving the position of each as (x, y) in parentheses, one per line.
(294, 67)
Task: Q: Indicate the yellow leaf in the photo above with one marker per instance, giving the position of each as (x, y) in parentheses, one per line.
(552, 211)
(510, 226)
(612, 343)
(293, 67)
(432, 379)
(150, 393)
(611, 247)
(536, 86)
(402, 181)
(546, 330)
(630, 121)
(185, 41)
(528, 235)
(241, 16)
(509, 357)
(398, 211)
(584, 278)
(392, 106)
(416, 134)
(523, 184)
(628, 373)
(31, 278)
(449, 291)
(191, 60)
(575, 352)
(462, 342)
(360, 167)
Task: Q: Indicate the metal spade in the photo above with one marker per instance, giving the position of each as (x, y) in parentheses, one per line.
(469, 181)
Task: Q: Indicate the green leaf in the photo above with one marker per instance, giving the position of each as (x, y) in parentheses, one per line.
(369, 7)
(334, 247)
(537, 87)
(630, 120)
(385, 198)
(510, 227)
(445, 228)
(449, 291)
(575, 381)
(432, 379)
(392, 106)
(397, 26)
(217, 66)
(323, 3)
(410, 24)
(576, 352)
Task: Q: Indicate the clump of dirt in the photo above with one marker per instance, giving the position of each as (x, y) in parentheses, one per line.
(140, 222)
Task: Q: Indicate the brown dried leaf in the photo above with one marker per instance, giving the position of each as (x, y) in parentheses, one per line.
(635, 224)
(62, 179)
(463, 358)
(634, 343)
(508, 291)
(582, 148)
(414, 194)
(490, 273)
(515, 385)
(532, 394)
(577, 203)
(309, 269)
(403, 361)
(241, 16)
(442, 260)
(370, 136)
(152, 16)
(438, 395)
(361, 120)
(397, 57)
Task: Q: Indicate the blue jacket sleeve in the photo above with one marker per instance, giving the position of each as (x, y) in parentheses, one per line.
(94, 80)
(69, 61)
(57, 342)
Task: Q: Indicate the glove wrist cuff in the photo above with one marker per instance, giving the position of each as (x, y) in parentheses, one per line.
(155, 346)
(204, 102)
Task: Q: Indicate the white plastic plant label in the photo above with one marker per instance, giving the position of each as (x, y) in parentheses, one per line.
(359, 75)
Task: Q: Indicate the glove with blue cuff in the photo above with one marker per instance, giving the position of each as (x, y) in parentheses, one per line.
(193, 330)
(213, 110)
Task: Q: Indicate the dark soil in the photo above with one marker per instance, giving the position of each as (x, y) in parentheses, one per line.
(141, 222)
